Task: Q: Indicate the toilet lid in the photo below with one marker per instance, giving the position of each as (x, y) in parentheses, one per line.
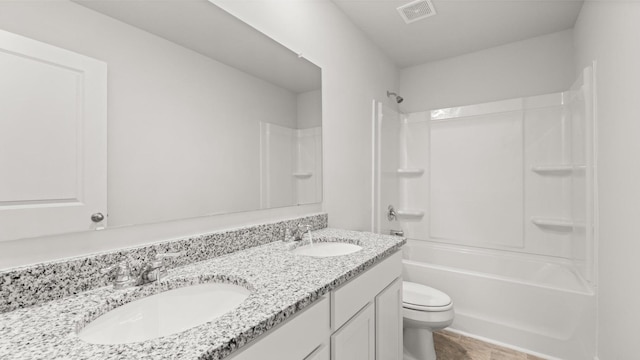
(421, 297)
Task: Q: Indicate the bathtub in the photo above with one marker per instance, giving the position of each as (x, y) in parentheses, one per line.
(535, 304)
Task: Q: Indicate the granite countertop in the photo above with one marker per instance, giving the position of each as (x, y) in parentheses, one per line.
(281, 284)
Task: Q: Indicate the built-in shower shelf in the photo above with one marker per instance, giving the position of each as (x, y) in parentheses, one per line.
(557, 169)
(557, 224)
(410, 213)
(410, 172)
(302, 175)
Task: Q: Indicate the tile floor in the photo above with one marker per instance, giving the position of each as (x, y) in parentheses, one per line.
(452, 346)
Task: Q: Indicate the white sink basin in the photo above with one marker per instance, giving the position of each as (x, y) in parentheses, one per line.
(326, 249)
(164, 314)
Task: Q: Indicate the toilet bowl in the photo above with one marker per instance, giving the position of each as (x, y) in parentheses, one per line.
(424, 310)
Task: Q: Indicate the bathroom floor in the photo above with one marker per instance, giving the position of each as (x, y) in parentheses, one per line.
(452, 346)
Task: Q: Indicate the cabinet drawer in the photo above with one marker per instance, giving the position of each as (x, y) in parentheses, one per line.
(347, 300)
(294, 339)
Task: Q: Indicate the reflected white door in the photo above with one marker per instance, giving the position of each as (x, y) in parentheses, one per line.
(53, 139)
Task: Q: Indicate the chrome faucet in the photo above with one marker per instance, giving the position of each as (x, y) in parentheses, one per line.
(123, 278)
(301, 230)
(153, 271)
(156, 269)
(287, 235)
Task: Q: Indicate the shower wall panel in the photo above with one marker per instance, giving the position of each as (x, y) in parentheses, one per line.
(414, 188)
(290, 165)
(276, 165)
(507, 175)
(308, 182)
(580, 100)
(547, 193)
(477, 180)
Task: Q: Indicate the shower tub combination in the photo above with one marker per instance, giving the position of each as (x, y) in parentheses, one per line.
(497, 201)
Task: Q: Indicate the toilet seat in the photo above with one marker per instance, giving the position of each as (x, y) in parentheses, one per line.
(427, 308)
(424, 298)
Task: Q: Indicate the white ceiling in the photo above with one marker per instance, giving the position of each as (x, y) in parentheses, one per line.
(459, 27)
(205, 28)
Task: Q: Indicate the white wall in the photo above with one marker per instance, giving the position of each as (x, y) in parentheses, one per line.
(530, 67)
(354, 72)
(607, 32)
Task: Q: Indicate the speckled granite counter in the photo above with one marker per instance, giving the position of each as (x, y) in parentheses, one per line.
(282, 283)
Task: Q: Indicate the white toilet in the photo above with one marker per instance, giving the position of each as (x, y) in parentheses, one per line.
(424, 310)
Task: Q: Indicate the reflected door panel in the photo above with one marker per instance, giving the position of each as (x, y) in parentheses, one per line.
(53, 136)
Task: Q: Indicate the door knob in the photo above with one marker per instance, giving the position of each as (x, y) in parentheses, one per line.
(97, 217)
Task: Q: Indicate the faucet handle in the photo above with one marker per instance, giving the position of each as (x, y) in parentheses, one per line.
(123, 275)
(287, 235)
(159, 260)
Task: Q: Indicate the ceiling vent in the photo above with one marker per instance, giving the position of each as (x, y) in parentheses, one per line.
(416, 10)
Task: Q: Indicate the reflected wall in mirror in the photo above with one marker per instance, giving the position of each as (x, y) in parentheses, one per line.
(206, 115)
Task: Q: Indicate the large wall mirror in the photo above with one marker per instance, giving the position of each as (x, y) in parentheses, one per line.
(194, 113)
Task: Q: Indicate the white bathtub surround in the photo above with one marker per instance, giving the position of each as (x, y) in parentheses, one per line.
(508, 171)
(281, 284)
(290, 165)
(508, 197)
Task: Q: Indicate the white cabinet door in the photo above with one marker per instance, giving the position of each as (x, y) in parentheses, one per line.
(321, 353)
(356, 339)
(347, 300)
(53, 139)
(389, 322)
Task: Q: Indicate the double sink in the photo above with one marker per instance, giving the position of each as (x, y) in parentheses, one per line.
(176, 310)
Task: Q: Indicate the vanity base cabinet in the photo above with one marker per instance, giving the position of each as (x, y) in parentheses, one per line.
(377, 292)
(356, 339)
(296, 339)
(360, 320)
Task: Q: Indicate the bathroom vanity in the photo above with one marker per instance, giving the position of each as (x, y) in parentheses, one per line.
(362, 319)
(299, 307)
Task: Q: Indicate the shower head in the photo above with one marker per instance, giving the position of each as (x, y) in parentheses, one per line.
(395, 96)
